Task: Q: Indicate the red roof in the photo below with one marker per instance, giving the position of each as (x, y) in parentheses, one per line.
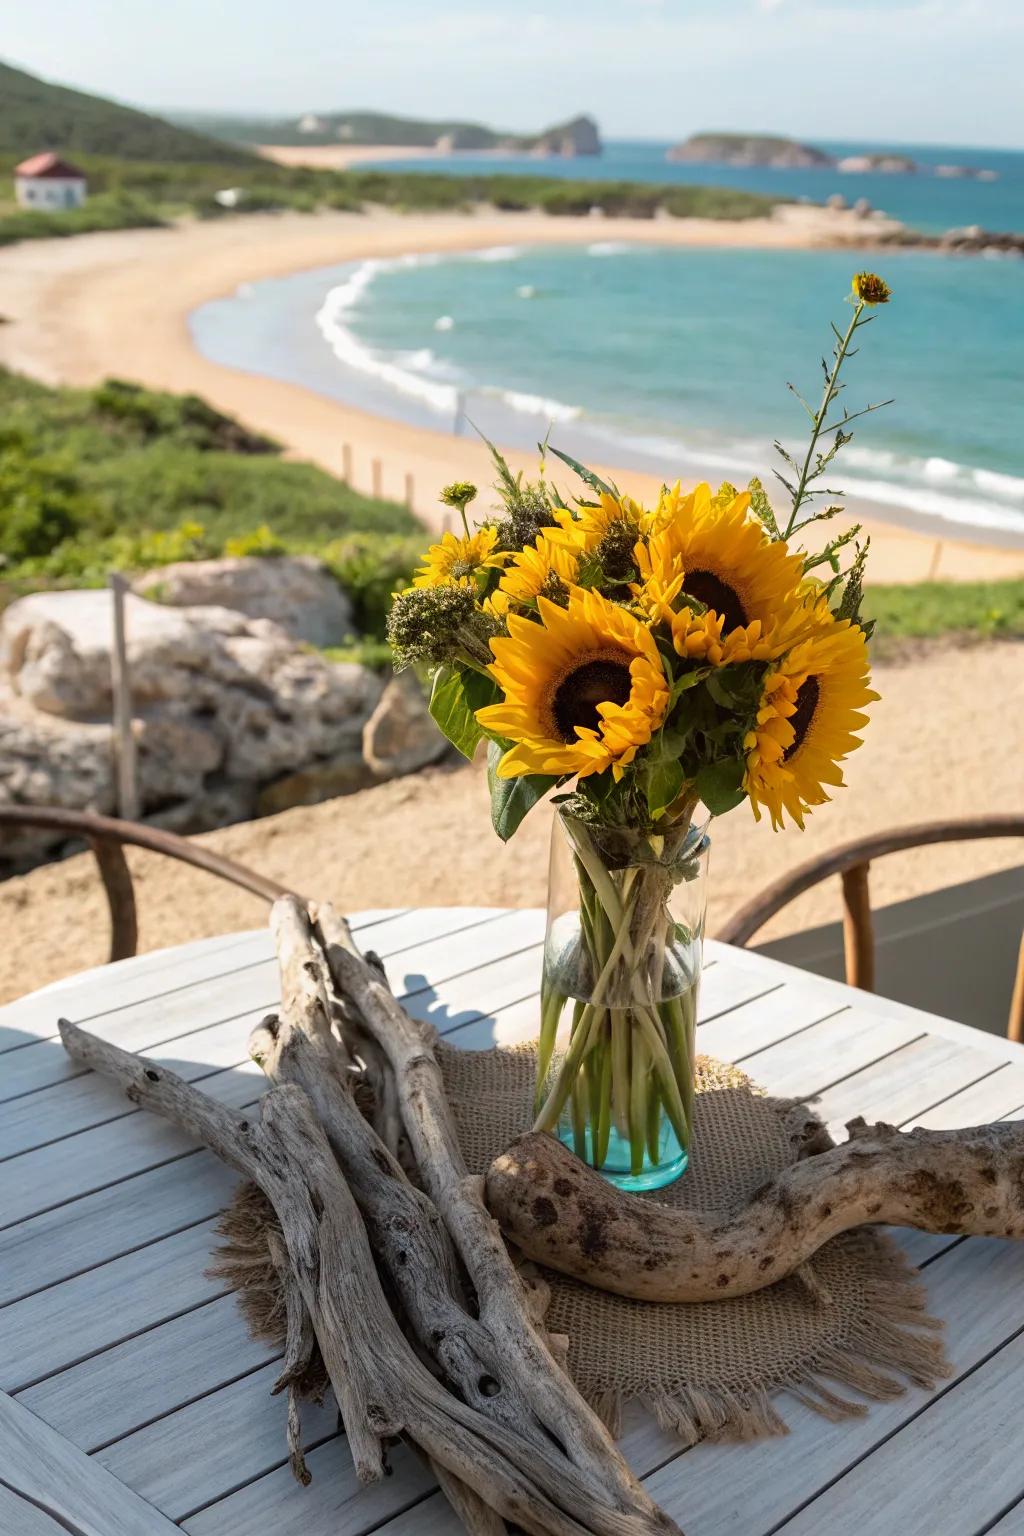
(49, 166)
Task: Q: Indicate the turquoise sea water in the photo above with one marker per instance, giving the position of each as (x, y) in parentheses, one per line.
(667, 359)
(926, 201)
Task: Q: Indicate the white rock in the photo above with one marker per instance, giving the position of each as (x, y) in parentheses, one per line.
(296, 592)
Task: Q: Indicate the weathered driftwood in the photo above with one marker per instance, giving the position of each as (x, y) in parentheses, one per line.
(561, 1213)
(523, 1365)
(383, 1389)
(407, 1235)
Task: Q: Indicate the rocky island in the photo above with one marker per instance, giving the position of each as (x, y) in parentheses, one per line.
(745, 149)
(782, 154)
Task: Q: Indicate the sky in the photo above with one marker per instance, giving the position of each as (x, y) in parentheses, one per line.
(898, 71)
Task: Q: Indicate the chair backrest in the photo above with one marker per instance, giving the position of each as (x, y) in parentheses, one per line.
(108, 837)
(851, 862)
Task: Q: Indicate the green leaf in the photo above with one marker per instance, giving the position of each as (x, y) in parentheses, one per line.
(452, 711)
(480, 690)
(511, 799)
(586, 475)
(664, 781)
(720, 786)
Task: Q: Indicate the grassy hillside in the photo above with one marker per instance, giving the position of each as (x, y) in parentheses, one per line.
(123, 478)
(36, 115)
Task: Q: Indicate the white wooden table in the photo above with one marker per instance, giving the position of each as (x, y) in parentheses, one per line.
(134, 1402)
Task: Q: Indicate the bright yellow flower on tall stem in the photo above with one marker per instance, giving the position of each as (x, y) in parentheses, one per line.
(458, 558)
(813, 702)
(583, 689)
(722, 557)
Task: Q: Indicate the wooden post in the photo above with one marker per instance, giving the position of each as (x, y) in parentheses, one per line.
(408, 492)
(375, 473)
(1015, 1026)
(858, 934)
(346, 463)
(124, 740)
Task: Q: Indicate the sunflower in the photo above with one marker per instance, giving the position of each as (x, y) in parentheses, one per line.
(541, 569)
(720, 556)
(699, 637)
(592, 523)
(812, 702)
(459, 558)
(583, 690)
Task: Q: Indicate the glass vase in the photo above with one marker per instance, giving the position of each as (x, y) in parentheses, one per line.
(622, 963)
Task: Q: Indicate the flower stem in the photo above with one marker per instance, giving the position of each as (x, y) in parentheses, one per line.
(818, 424)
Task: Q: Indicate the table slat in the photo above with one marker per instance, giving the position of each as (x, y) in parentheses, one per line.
(720, 1489)
(82, 1497)
(148, 1376)
(226, 1439)
(59, 1326)
(274, 1506)
(964, 1453)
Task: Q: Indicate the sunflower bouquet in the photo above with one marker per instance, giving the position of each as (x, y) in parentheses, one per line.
(643, 662)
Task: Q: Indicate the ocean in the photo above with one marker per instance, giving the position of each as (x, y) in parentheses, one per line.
(672, 360)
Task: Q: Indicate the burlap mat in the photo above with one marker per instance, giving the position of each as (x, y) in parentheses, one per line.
(853, 1320)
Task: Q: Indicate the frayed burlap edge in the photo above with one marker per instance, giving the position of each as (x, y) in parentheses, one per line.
(879, 1354)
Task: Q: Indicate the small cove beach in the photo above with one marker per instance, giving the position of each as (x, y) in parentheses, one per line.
(120, 304)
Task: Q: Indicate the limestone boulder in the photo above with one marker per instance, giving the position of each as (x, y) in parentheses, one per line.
(295, 592)
(231, 716)
(400, 735)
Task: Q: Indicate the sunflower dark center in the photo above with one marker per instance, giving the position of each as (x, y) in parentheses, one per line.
(800, 719)
(715, 593)
(578, 695)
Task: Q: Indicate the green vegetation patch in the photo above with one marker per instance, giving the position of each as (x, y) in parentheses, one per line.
(931, 609)
(125, 478)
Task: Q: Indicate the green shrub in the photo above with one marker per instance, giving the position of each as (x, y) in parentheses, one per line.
(38, 500)
(259, 541)
(371, 568)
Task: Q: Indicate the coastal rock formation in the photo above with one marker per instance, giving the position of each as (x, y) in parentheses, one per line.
(744, 149)
(296, 592)
(885, 163)
(579, 136)
(231, 715)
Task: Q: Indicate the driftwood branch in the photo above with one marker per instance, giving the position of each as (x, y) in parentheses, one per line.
(561, 1213)
(382, 1387)
(504, 1308)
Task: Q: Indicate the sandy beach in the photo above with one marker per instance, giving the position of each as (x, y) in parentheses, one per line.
(82, 309)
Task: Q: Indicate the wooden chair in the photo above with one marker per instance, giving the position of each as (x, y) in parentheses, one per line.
(851, 862)
(108, 837)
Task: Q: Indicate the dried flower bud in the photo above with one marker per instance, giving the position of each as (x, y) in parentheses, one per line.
(438, 624)
(869, 288)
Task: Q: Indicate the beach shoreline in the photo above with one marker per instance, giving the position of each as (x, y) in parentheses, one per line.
(85, 308)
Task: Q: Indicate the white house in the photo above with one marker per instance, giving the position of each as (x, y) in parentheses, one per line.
(47, 182)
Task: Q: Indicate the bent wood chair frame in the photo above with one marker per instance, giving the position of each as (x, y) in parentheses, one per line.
(852, 862)
(108, 837)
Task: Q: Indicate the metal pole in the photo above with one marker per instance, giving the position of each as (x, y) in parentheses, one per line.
(346, 463)
(408, 492)
(376, 477)
(124, 740)
(460, 412)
